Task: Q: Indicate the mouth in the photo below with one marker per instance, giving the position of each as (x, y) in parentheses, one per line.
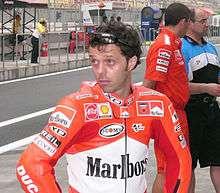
(103, 82)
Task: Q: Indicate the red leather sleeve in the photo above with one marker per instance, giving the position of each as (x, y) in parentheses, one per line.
(35, 169)
(169, 138)
(158, 61)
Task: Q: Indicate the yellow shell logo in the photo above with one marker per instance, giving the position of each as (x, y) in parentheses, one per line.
(104, 109)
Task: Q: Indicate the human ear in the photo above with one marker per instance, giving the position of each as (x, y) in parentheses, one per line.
(132, 62)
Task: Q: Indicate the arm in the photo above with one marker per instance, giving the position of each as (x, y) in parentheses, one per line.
(210, 88)
(149, 84)
(169, 138)
(35, 169)
(157, 64)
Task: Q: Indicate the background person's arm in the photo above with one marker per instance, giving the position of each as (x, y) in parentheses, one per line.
(210, 88)
(149, 84)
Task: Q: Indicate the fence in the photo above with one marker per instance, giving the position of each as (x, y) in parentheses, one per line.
(64, 49)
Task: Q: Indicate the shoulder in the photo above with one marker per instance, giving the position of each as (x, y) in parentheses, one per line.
(212, 46)
(146, 93)
(86, 93)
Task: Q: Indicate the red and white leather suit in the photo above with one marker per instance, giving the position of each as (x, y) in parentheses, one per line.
(106, 140)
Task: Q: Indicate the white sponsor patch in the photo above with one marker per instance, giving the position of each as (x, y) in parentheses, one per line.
(150, 108)
(177, 128)
(45, 146)
(95, 111)
(163, 62)
(63, 116)
(173, 114)
(111, 130)
(182, 141)
(58, 131)
(161, 69)
(163, 53)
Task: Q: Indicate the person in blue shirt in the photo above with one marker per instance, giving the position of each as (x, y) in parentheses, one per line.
(203, 112)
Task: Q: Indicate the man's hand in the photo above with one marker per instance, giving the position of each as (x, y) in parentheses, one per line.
(213, 89)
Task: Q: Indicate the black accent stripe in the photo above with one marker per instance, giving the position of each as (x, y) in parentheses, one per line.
(177, 186)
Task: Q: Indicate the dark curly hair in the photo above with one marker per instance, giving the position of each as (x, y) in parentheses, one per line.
(122, 35)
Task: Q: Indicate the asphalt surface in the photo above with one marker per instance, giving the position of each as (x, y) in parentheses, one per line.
(21, 98)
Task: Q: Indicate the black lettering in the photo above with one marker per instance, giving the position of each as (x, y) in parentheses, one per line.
(106, 173)
(92, 167)
(123, 165)
(137, 169)
(130, 167)
(115, 170)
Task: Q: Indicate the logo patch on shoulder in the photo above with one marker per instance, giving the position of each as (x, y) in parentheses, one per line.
(95, 111)
(173, 114)
(63, 116)
(150, 108)
(111, 130)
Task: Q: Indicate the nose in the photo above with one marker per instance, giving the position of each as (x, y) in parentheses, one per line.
(101, 69)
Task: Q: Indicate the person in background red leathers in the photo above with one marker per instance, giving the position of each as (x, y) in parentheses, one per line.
(165, 72)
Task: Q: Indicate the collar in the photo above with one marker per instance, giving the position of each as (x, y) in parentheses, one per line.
(192, 41)
(174, 38)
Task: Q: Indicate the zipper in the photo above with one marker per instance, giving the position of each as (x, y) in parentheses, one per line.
(126, 150)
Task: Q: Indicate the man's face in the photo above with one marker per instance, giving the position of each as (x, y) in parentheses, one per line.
(110, 68)
(185, 26)
(200, 25)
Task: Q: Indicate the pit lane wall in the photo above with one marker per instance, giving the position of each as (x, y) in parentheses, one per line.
(60, 56)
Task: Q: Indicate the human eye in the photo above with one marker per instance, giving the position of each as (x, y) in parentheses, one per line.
(110, 62)
(93, 61)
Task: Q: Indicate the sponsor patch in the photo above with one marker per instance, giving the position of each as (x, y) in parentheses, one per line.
(105, 110)
(124, 112)
(137, 127)
(111, 130)
(173, 114)
(182, 141)
(163, 62)
(113, 99)
(91, 111)
(150, 108)
(143, 108)
(63, 116)
(45, 134)
(95, 111)
(45, 146)
(161, 69)
(152, 92)
(177, 128)
(157, 108)
(163, 53)
(58, 131)
(84, 96)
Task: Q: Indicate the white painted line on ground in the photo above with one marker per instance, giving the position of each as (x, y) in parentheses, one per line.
(17, 144)
(25, 117)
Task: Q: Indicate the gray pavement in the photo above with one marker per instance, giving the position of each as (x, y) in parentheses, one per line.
(9, 184)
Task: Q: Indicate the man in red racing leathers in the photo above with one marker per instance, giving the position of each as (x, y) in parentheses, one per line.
(104, 129)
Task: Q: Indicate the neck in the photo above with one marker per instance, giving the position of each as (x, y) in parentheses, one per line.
(126, 90)
(195, 37)
(173, 29)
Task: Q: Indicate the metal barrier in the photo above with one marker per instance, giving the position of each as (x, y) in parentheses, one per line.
(58, 48)
(66, 47)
